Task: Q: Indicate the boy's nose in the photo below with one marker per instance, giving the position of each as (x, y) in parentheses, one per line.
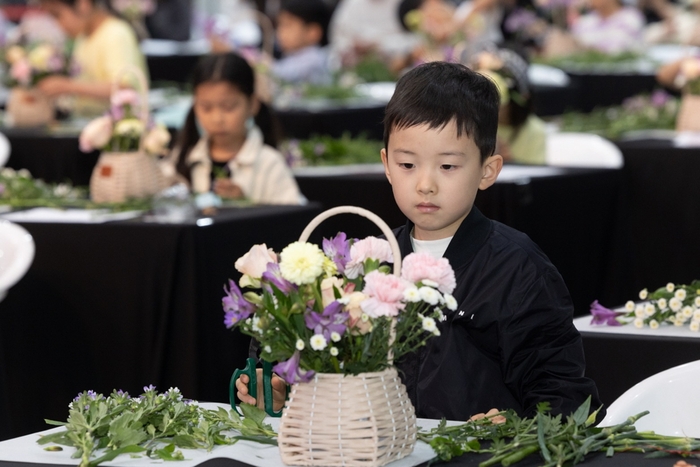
(426, 184)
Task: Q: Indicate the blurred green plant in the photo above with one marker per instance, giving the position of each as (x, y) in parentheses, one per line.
(326, 150)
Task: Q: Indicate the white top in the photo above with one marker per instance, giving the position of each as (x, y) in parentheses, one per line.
(436, 248)
(259, 170)
(369, 22)
(620, 32)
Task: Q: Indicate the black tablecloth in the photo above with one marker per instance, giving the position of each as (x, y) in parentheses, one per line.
(126, 304)
(618, 362)
(301, 124)
(661, 216)
(571, 216)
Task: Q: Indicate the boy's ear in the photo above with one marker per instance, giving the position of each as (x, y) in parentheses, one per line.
(385, 161)
(489, 171)
(314, 34)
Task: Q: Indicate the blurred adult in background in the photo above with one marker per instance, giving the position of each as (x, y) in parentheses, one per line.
(302, 27)
(679, 23)
(104, 46)
(522, 136)
(359, 27)
(609, 27)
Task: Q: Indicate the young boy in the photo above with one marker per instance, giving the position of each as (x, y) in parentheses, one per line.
(511, 342)
(302, 34)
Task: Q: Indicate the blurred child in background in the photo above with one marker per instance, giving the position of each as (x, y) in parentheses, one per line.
(104, 45)
(302, 36)
(221, 148)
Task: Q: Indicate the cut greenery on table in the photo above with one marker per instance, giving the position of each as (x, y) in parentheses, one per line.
(153, 424)
(158, 425)
(593, 60)
(326, 150)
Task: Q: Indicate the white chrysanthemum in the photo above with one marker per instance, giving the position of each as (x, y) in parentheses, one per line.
(300, 344)
(697, 301)
(335, 337)
(301, 262)
(24, 173)
(680, 294)
(450, 302)
(687, 312)
(653, 324)
(678, 322)
(429, 295)
(334, 351)
(318, 342)
(638, 323)
(675, 304)
(364, 317)
(639, 312)
(429, 324)
(255, 326)
(344, 300)
(649, 309)
(429, 283)
(670, 287)
(661, 303)
(129, 127)
(695, 326)
(411, 294)
(629, 306)
(696, 314)
(643, 294)
(268, 349)
(440, 315)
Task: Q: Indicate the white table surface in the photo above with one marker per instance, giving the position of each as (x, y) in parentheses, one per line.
(583, 324)
(26, 449)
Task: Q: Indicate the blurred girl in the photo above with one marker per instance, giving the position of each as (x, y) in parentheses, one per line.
(104, 45)
(221, 148)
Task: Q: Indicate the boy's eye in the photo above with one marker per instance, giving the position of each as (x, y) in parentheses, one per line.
(447, 166)
(405, 165)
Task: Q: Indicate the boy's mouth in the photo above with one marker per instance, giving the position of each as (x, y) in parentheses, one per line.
(427, 207)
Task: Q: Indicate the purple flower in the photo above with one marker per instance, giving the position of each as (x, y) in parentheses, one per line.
(602, 315)
(520, 19)
(331, 320)
(236, 307)
(659, 98)
(290, 371)
(274, 277)
(338, 249)
(319, 149)
(150, 387)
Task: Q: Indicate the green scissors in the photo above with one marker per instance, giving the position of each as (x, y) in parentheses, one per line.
(250, 370)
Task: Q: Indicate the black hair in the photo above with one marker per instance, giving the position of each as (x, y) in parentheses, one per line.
(404, 7)
(514, 70)
(310, 12)
(436, 93)
(233, 69)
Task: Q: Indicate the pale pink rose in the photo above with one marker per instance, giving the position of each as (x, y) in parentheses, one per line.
(254, 263)
(96, 134)
(417, 267)
(123, 97)
(356, 325)
(21, 70)
(384, 294)
(328, 287)
(156, 140)
(367, 248)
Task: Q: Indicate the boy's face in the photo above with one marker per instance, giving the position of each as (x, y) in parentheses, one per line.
(294, 34)
(435, 176)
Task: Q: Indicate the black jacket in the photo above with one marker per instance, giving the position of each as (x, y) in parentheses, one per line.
(510, 343)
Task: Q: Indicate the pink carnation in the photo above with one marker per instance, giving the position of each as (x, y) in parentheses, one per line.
(384, 294)
(367, 248)
(418, 267)
(21, 71)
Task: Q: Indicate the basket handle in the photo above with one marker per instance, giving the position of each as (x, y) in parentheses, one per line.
(144, 108)
(386, 230)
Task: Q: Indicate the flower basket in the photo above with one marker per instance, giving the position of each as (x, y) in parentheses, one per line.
(29, 107)
(689, 113)
(121, 175)
(349, 420)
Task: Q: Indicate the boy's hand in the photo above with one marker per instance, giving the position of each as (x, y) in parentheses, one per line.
(493, 415)
(54, 85)
(279, 391)
(225, 188)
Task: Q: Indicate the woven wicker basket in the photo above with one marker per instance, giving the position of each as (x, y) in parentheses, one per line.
(122, 175)
(348, 420)
(29, 107)
(688, 118)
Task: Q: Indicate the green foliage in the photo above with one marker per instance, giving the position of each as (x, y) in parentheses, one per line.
(326, 150)
(153, 424)
(644, 112)
(593, 60)
(558, 441)
(372, 68)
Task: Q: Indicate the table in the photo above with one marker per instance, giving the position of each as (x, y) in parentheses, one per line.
(126, 304)
(606, 89)
(617, 358)
(569, 213)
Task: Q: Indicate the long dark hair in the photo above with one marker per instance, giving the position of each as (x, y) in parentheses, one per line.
(233, 69)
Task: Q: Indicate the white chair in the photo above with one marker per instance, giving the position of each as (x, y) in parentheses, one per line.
(582, 150)
(16, 254)
(4, 150)
(671, 399)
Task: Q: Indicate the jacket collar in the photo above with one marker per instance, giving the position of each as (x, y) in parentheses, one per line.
(467, 241)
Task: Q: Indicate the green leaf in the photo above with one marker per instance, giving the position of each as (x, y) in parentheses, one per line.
(111, 455)
(253, 413)
(187, 442)
(540, 437)
(168, 453)
(581, 413)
